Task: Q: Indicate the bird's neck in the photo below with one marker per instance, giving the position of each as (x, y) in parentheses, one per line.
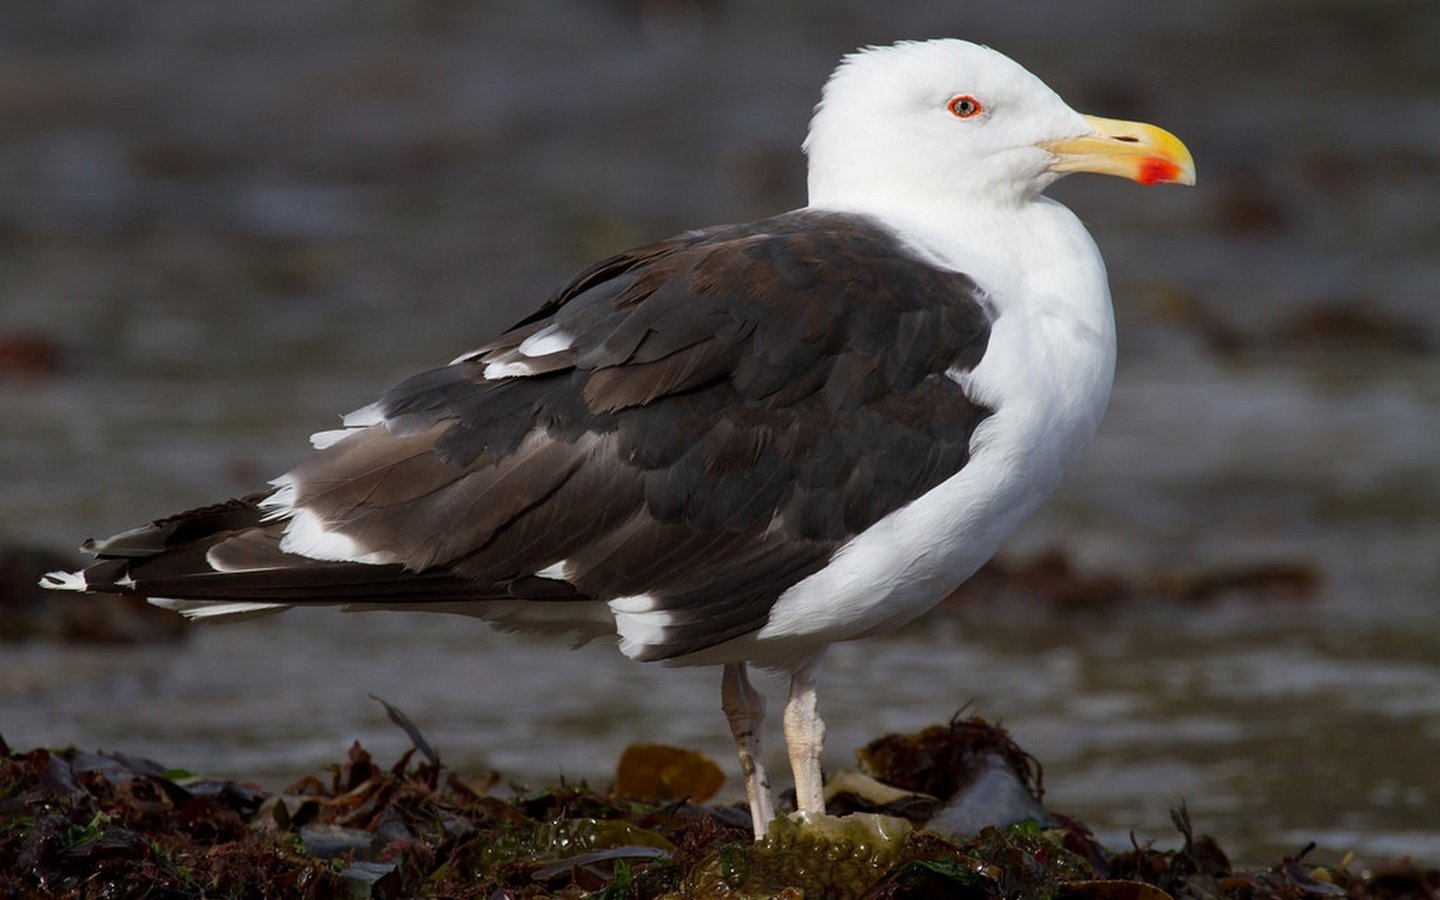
(1045, 278)
(1025, 249)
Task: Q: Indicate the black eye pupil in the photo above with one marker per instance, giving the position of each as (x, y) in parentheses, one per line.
(964, 107)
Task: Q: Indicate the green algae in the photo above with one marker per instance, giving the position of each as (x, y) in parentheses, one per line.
(827, 856)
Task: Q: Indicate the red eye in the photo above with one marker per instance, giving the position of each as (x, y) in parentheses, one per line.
(964, 106)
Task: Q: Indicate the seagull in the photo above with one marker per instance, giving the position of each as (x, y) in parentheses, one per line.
(741, 444)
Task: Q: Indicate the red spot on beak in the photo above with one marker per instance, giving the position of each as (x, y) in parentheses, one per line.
(1155, 170)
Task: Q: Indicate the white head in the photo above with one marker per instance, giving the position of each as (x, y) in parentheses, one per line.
(955, 122)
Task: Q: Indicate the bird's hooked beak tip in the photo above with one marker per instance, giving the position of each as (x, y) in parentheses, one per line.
(1144, 153)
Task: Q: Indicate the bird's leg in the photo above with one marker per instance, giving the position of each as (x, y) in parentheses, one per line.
(745, 710)
(805, 737)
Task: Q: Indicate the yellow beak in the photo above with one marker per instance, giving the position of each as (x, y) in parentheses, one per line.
(1131, 150)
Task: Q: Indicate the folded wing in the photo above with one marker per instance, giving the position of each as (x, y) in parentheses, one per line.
(691, 427)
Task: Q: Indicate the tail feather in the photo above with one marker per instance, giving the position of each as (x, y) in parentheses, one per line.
(225, 560)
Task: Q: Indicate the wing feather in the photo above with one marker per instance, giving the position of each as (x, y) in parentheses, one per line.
(702, 422)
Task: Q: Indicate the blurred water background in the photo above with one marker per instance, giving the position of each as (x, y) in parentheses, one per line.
(223, 224)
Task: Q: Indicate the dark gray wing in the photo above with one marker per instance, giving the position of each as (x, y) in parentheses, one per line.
(703, 421)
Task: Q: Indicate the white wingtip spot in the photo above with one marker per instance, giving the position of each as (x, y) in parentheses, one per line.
(639, 624)
(221, 609)
(281, 503)
(633, 605)
(369, 414)
(64, 581)
(496, 371)
(320, 440)
(555, 571)
(550, 339)
(307, 536)
(352, 422)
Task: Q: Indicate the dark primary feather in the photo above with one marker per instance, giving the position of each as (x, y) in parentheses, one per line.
(733, 406)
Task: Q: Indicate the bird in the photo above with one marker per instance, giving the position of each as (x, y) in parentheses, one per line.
(741, 444)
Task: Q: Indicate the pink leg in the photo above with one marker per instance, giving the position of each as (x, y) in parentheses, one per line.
(805, 737)
(745, 711)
